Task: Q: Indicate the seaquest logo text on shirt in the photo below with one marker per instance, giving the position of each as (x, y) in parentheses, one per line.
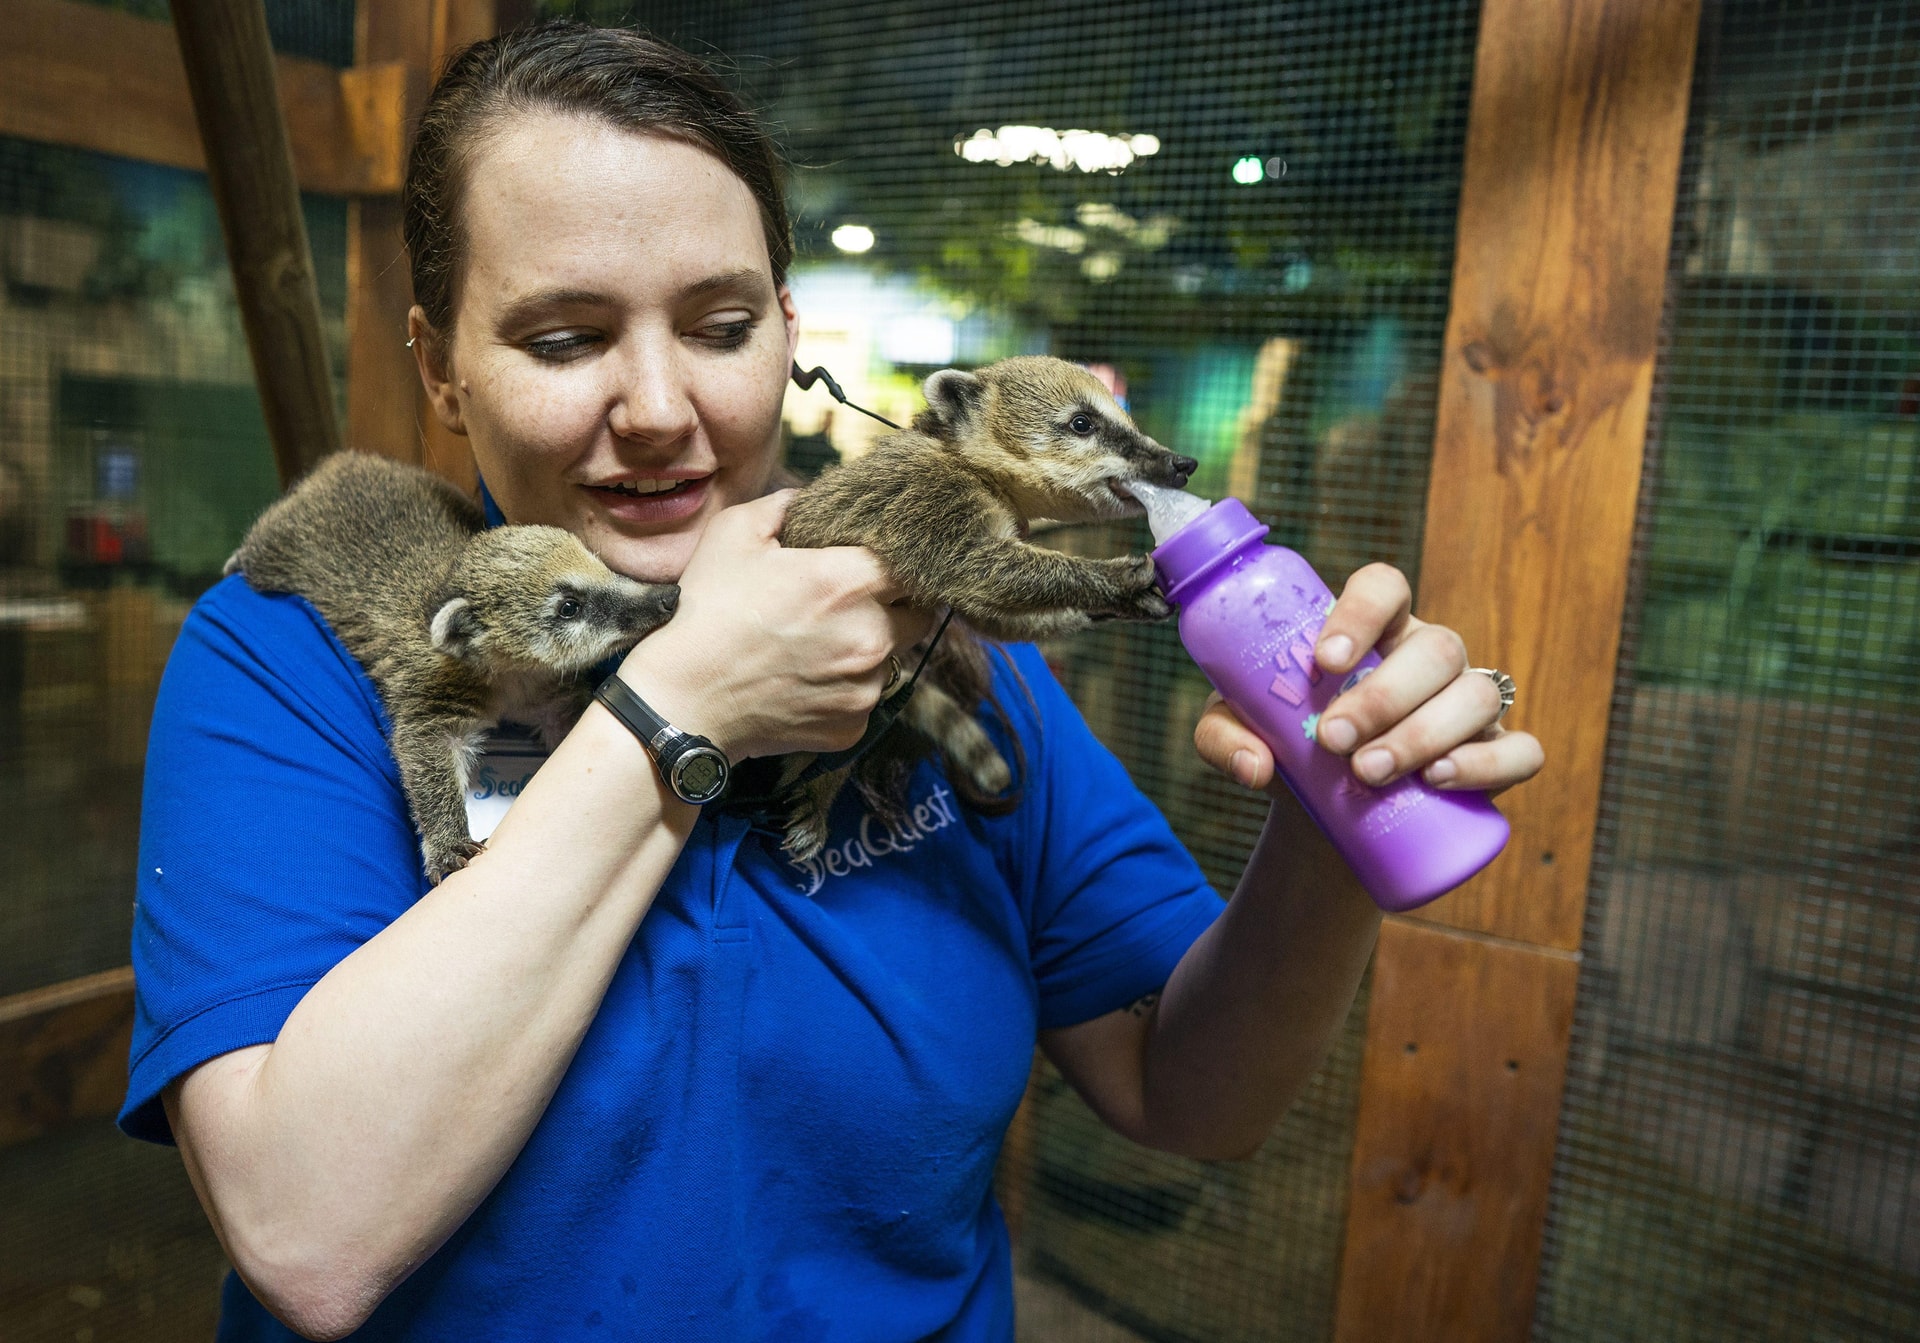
(876, 839)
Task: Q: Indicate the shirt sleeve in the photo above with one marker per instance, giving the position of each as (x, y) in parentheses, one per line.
(1113, 900)
(274, 835)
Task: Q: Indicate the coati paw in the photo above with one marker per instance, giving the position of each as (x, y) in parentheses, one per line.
(1140, 597)
(445, 857)
(806, 836)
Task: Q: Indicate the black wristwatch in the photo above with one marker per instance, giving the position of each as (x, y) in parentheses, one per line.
(693, 767)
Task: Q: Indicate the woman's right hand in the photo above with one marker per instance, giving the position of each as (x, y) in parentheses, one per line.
(774, 650)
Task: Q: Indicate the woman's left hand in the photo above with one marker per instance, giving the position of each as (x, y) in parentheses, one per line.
(1421, 711)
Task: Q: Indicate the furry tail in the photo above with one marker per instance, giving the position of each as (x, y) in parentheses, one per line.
(965, 744)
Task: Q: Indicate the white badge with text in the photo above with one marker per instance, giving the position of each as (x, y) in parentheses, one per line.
(504, 767)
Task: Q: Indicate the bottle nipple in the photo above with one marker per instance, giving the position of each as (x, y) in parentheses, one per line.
(1168, 510)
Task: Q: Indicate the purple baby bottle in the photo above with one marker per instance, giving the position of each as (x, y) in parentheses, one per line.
(1249, 616)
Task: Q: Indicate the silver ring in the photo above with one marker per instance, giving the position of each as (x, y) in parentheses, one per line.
(1502, 683)
(893, 676)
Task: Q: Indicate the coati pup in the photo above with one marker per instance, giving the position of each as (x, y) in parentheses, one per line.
(946, 504)
(458, 625)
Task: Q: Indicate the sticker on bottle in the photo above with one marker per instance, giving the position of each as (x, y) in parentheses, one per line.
(507, 761)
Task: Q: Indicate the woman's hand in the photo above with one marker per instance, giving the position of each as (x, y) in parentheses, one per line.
(774, 650)
(1420, 711)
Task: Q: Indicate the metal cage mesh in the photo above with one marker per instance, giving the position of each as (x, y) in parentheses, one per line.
(1738, 1155)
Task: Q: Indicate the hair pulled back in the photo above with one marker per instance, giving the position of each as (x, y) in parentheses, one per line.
(624, 78)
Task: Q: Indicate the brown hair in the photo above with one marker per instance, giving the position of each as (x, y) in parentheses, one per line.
(625, 78)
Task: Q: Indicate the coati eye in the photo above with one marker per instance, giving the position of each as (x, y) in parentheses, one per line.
(569, 609)
(1081, 425)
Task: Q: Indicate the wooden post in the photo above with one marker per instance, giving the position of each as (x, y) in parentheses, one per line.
(229, 61)
(1566, 213)
(387, 410)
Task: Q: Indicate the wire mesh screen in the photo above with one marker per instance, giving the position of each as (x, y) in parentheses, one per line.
(1241, 215)
(132, 456)
(1740, 1157)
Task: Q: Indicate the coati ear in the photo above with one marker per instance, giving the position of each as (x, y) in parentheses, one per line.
(456, 629)
(952, 396)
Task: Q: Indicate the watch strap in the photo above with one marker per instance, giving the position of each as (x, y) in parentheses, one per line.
(639, 717)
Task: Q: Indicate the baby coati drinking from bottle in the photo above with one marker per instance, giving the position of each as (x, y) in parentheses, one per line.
(456, 624)
(946, 504)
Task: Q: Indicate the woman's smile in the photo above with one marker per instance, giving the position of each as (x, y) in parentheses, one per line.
(652, 500)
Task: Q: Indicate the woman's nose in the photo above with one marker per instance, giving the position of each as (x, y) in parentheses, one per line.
(651, 403)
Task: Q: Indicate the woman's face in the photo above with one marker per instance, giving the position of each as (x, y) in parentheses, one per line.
(620, 349)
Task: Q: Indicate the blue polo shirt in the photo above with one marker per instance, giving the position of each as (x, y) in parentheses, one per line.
(783, 1122)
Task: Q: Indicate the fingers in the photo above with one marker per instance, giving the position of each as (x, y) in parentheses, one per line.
(1500, 762)
(860, 572)
(1428, 659)
(1230, 747)
(1463, 709)
(1375, 608)
(762, 517)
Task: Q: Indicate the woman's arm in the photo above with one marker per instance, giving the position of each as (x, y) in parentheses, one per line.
(1251, 1010)
(336, 1159)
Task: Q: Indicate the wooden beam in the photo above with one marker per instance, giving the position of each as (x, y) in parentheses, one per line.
(90, 77)
(1566, 211)
(387, 410)
(1463, 1070)
(1576, 120)
(63, 1053)
(229, 62)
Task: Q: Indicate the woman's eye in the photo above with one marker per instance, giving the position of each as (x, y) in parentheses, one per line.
(1081, 424)
(727, 335)
(569, 609)
(561, 347)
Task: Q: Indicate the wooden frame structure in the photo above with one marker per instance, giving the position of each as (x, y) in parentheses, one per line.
(1577, 116)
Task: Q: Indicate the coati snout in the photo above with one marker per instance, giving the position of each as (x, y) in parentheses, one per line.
(1051, 435)
(522, 597)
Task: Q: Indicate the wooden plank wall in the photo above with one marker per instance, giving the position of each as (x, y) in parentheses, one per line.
(64, 64)
(1573, 149)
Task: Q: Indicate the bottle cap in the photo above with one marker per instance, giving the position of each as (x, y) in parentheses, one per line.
(1204, 542)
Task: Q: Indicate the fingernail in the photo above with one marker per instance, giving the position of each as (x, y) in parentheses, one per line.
(1441, 771)
(1337, 734)
(1375, 765)
(1242, 767)
(1335, 652)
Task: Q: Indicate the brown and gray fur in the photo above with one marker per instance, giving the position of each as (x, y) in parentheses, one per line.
(456, 624)
(947, 504)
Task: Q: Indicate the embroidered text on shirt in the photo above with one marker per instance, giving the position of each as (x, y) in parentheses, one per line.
(876, 839)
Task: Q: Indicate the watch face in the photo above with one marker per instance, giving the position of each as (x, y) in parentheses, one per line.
(701, 775)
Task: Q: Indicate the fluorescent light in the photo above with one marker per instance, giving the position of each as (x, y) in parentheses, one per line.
(1089, 151)
(1248, 170)
(853, 238)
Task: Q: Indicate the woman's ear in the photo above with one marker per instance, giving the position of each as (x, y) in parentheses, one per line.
(430, 357)
(792, 316)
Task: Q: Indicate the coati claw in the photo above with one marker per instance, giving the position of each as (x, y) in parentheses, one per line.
(444, 859)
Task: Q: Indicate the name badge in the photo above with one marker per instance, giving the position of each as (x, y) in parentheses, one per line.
(504, 767)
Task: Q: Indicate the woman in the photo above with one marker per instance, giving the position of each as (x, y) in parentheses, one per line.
(629, 1071)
